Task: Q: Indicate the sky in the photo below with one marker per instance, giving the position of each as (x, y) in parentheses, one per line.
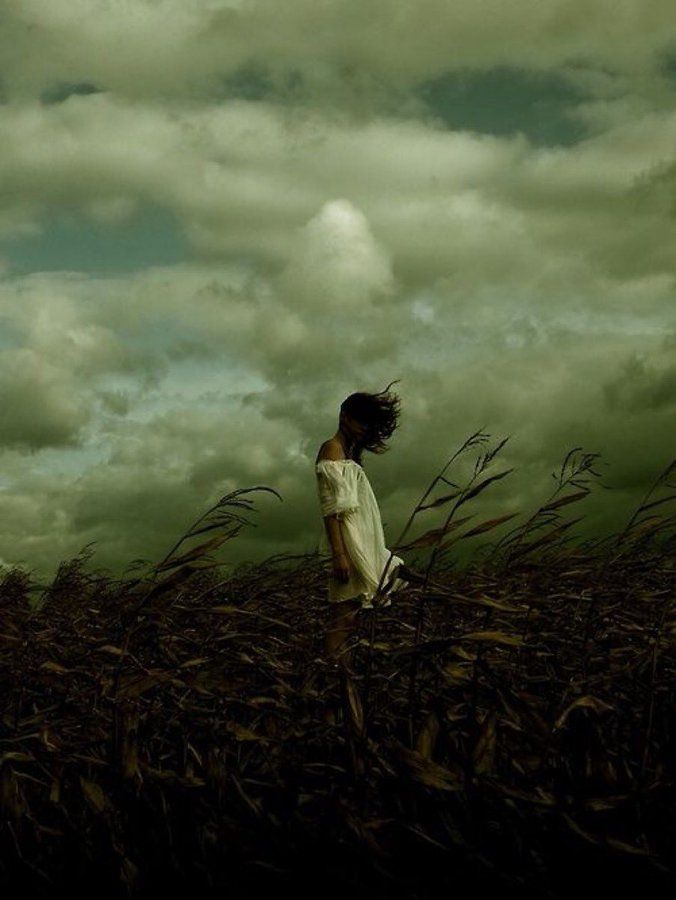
(219, 219)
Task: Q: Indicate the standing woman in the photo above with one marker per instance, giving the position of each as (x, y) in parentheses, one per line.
(353, 530)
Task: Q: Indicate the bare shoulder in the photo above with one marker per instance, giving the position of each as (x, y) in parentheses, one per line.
(330, 449)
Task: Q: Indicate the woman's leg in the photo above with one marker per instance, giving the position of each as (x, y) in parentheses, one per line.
(342, 618)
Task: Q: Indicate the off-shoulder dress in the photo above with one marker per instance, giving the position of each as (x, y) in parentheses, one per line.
(343, 488)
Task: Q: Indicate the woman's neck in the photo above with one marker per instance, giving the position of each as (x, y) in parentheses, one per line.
(346, 443)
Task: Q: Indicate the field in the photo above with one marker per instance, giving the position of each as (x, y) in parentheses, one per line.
(507, 725)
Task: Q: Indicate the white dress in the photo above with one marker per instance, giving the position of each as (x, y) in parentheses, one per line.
(344, 489)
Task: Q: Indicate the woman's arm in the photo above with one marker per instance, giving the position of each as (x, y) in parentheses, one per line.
(334, 534)
(341, 563)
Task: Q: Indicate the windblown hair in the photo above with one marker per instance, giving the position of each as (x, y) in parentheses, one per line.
(379, 413)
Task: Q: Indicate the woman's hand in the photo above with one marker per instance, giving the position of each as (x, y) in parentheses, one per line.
(341, 568)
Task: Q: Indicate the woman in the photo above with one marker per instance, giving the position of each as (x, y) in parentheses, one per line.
(353, 530)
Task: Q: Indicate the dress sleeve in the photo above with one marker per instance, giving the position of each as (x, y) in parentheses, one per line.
(336, 488)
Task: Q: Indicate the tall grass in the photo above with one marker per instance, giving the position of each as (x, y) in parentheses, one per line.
(508, 723)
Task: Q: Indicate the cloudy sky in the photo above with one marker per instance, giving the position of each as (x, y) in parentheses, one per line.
(220, 218)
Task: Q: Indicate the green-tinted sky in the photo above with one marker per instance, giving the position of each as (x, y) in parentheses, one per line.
(218, 219)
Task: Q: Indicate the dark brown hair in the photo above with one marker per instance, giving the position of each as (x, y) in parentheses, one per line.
(379, 413)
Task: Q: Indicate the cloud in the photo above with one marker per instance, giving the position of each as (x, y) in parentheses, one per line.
(329, 217)
(240, 183)
(175, 384)
(336, 263)
(342, 54)
(644, 384)
(39, 408)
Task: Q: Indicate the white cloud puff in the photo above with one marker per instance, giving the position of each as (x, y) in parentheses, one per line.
(336, 263)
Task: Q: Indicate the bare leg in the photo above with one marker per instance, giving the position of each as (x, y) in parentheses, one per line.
(342, 617)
